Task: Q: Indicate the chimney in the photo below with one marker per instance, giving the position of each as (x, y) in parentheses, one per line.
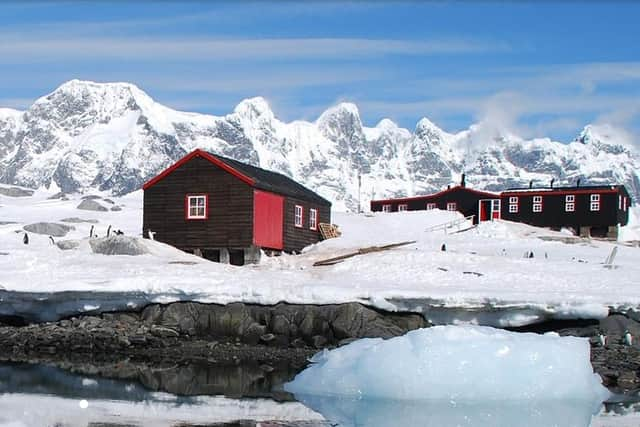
(531, 184)
(578, 183)
(552, 181)
(463, 182)
(448, 186)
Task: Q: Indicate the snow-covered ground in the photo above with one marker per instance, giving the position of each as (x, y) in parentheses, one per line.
(482, 269)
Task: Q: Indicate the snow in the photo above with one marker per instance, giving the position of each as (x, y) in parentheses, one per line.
(162, 410)
(459, 363)
(482, 277)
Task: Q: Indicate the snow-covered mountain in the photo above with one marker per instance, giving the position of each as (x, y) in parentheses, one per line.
(113, 136)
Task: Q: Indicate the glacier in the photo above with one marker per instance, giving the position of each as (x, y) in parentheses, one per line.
(112, 137)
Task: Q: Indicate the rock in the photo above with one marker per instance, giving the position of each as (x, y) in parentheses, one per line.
(137, 339)
(111, 202)
(162, 332)
(280, 325)
(116, 208)
(118, 245)
(318, 341)
(253, 333)
(49, 228)
(298, 343)
(617, 324)
(68, 244)
(91, 197)
(181, 316)
(15, 192)
(267, 338)
(60, 195)
(79, 220)
(91, 205)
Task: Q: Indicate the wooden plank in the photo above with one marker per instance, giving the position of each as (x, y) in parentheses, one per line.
(361, 251)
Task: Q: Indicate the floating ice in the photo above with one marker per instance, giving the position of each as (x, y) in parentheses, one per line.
(456, 363)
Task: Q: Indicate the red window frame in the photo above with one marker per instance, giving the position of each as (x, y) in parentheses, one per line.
(187, 210)
(313, 219)
(453, 205)
(403, 207)
(295, 216)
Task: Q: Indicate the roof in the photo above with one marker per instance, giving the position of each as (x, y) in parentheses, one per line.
(486, 194)
(254, 176)
(571, 189)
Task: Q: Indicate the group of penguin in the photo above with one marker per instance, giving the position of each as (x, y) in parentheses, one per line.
(25, 237)
(627, 339)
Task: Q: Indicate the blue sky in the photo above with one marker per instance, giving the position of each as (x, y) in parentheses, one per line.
(539, 68)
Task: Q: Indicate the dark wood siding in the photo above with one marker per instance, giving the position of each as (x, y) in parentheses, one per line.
(296, 238)
(466, 201)
(230, 221)
(554, 213)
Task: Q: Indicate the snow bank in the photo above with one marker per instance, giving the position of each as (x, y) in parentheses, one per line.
(460, 363)
(119, 245)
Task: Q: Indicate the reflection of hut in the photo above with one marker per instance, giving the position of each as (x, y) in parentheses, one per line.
(227, 210)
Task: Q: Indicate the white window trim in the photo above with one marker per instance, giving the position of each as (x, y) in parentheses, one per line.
(403, 207)
(594, 207)
(192, 202)
(452, 206)
(595, 198)
(513, 208)
(431, 206)
(537, 199)
(386, 208)
(313, 219)
(298, 214)
(570, 207)
(570, 198)
(537, 207)
(513, 200)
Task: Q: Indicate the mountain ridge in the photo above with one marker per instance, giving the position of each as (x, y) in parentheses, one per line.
(114, 137)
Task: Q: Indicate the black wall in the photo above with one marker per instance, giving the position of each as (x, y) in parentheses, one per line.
(296, 238)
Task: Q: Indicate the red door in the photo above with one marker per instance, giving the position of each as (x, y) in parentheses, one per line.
(268, 219)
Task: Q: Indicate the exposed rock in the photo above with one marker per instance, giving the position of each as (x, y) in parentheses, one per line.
(163, 332)
(118, 245)
(75, 219)
(91, 205)
(60, 195)
(91, 197)
(116, 208)
(68, 244)
(49, 228)
(111, 202)
(15, 192)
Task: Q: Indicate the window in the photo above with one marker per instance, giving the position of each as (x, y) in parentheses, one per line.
(513, 204)
(452, 206)
(619, 203)
(537, 203)
(570, 203)
(197, 207)
(297, 218)
(431, 206)
(402, 208)
(313, 219)
(386, 208)
(595, 203)
(513, 208)
(513, 200)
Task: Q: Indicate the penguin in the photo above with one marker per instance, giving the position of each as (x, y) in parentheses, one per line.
(25, 239)
(151, 234)
(53, 242)
(628, 338)
(109, 230)
(443, 248)
(602, 339)
(91, 233)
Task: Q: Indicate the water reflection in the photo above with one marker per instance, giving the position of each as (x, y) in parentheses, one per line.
(387, 413)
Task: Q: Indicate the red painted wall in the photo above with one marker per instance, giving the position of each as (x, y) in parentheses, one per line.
(268, 218)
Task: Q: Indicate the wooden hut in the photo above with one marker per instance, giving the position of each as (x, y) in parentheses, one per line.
(226, 210)
(588, 210)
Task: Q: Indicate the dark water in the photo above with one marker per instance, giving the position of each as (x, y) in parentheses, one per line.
(243, 396)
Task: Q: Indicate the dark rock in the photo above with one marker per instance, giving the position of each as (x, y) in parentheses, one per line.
(280, 325)
(79, 220)
(49, 228)
(60, 195)
(137, 339)
(91, 205)
(298, 343)
(253, 333)
(162, 332)
(267, 338)
(116, 208)
(91, 197)
(118, 245)
(15, 192)
(318, 341)
(109, 201)
(68, 244)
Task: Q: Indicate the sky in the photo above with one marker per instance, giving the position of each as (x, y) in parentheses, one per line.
(536, 68)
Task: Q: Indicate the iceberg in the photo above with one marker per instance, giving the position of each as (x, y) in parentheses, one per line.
(456, 363)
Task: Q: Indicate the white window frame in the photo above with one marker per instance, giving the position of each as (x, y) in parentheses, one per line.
(537, 199)
(513, 208)
(201, 209)
(298, 216)
(452, 206)
(431, 206)
(403, 207)
(386, 208)
(313, 219)
(514, 204)
(570, 203)
(537, 204)
(513, 200)
(594, 206)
